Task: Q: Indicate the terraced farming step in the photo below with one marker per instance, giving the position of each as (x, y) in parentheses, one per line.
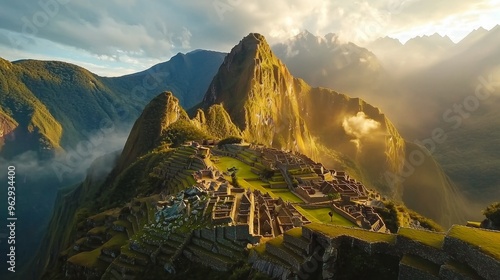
(276, 247)
(208, 258)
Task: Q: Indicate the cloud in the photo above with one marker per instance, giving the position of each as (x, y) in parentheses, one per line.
(360, 126)
(158, 29)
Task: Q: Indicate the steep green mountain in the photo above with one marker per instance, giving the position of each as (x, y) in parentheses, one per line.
(147, 146)
(27, 124)
(48, 105)
(56, 118)
(271, 107)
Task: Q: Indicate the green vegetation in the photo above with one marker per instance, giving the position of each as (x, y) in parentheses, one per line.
(486, 241)
(182, 131)
(333, 196)
(295, 232)
(98, 230)
(287, 195)
(268, 173)
(116, 242)
(397, 215)
(89, 259)
(421, 264)
(234, 180)
(230, 140)
(277, 241)
(336, 231)
(492, 213)
(133, 181)
(243, 172)
(219, 124)
(432, 239)
(321, 215)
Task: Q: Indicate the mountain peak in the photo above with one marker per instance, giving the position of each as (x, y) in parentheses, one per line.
(253, 39)
(305, 34)
(161, 112)
(238, 69)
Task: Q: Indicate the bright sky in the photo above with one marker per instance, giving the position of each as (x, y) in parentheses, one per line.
(117, 37)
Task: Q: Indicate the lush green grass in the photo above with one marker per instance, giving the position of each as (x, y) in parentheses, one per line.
(421, 264)
(98, 230)
(429, 238)
(474, 224)
(487, 241)
(321, 215)
(295, 232)
(255, 185)
(260, 248)
(116, 241)
(87, 259)
(336, 231)
(243, 169)
(244, 173)
(287, 195)
(277, 241)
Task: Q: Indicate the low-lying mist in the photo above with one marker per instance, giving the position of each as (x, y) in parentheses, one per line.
(37, 182)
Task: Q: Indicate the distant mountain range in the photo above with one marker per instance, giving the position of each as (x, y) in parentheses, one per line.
(328, 62)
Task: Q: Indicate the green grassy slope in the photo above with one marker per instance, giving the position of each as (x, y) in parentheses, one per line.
(57, 104)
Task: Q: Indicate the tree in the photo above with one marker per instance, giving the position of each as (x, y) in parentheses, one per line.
(267, 173)
(492, 213)
(333, 195)
(235, 181)
(331, 216)
(230, 140)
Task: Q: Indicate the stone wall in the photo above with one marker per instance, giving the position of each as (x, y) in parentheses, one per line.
(484, 265)
(407, 272)
(456, 259)
(429, 253)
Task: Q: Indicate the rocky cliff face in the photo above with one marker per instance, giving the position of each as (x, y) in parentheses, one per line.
(270, 106)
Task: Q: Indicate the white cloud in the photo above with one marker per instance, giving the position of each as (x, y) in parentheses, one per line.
(360, 126)
(153, 29)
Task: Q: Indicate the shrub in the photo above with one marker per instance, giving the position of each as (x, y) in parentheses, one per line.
(230, 140)
(492, 213)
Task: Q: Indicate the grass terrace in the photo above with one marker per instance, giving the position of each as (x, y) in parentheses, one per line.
(295, 232)
(433, 239)
(487, 241)
(321, 215)
(287, 195)
(89, 259)
(421, 264)
(244, 173)
(116, 241)
(365, 235)
(243, 169)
